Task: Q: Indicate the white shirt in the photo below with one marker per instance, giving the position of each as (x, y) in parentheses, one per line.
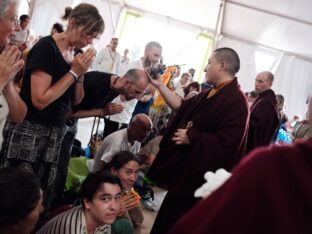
(124, 63)
(4, 111)
(112, 144)
(107, 61)
(20, 36)
(126, 114)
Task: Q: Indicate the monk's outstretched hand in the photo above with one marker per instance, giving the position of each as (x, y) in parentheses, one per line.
(180, 137)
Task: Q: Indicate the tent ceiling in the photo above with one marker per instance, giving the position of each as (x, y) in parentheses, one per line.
(203, 13)
(298, 9)
(282, 24)
(267, 29)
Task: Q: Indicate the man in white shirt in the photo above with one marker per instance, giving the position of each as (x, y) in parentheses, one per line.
(108, 59)
(181, 83)
(152, 54)
(21, 32)
(123, 140)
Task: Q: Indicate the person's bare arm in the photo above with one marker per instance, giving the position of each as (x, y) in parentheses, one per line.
(43, 93)
(172, 100)
(108, 109)
(17, 107)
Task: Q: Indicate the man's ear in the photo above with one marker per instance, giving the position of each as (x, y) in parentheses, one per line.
(223, 66)
(87, 204)
(113, 171)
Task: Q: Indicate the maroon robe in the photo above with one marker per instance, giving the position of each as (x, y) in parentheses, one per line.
(269, 192)
(217, 140)
(263, 120)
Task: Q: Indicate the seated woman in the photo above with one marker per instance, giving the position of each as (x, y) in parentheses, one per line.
(303, 129)
(20, 201)
(125, 165)
(100, 196)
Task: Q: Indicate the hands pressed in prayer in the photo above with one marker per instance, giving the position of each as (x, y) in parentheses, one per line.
(10, 64)
(180, 137)
(82, 62)
(128, 202)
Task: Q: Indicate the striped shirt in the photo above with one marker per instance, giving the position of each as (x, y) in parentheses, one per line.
(71, 222)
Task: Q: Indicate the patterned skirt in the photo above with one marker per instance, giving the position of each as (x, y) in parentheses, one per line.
(36, 147)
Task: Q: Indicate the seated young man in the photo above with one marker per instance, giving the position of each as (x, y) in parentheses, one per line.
(100, 195)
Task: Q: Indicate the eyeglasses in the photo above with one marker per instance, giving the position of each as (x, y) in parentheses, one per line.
(13, 20)
(91, 36)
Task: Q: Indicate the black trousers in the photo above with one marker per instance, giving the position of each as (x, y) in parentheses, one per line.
(66, 148)
(112, 126)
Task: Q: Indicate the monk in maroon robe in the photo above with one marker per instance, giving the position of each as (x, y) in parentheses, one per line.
(263, 113)
(207, 133)
(269, 192)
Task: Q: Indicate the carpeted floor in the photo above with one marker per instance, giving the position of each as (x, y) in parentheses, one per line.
(149, 216)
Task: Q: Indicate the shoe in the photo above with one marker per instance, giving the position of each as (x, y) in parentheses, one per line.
(148, 204)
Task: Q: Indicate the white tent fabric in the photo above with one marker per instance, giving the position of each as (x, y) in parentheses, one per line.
(46, 13)
(272, 23)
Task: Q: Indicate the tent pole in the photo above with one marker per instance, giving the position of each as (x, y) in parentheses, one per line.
(112, 16)
(31, 5)
(219, 24)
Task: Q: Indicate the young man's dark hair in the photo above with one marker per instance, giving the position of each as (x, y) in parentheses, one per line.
(121, 158)
(94, 181)
(23, 18)
(58, 27)
(19, 195)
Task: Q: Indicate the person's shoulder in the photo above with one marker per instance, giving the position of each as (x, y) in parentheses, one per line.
(135, 65)
(66, 215)
(44, 43)
(116, 136)
(98, 75)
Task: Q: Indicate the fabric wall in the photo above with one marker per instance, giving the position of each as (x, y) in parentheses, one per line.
(293, 76)
(46, 13)
(294, 81)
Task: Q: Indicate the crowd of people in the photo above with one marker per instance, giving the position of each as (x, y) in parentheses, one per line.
(161, 128)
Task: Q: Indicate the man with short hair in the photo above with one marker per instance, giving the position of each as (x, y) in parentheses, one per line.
(208, 132)
(123, 140)
(100, 88)
(263, 113)
(152, 54)
(181, 83)
(100, 195)
(21, 33)
(108, 59)
(192, 72)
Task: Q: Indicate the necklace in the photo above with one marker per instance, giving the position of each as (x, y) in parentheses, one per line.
(113, 58)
